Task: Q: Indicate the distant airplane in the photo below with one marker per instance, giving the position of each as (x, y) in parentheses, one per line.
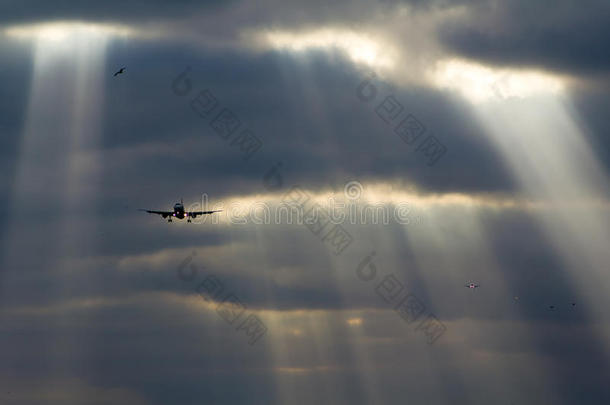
(471, 285)
(120, 71)
(179, 212)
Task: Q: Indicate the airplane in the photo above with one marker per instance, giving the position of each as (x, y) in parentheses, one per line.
(471, 285)
(179, 212)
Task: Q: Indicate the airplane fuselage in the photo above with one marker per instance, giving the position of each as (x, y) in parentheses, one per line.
(179, 211)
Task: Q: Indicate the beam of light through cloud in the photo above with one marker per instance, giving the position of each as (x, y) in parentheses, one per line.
(63, 123)
(527, 118)
(361, 48)
(479, 83)
(59, 31)
(59, 167)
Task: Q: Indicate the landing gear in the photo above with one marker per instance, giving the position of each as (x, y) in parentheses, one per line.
(169, 220)
(188, 220)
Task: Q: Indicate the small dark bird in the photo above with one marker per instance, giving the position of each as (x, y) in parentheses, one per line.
(120, 71)
(551, 307)
(573, 304)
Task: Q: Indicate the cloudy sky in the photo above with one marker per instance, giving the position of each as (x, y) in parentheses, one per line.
(370, 158)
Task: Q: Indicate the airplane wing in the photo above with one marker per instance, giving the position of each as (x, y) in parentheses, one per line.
(165, 214)
(195, 213)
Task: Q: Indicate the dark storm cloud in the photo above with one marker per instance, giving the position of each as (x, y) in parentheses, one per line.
(562, 35)
(309, 118)
(12, 11)
(271, 12)
(566, 36)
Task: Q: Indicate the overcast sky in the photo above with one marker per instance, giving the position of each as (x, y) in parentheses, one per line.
(371, 159)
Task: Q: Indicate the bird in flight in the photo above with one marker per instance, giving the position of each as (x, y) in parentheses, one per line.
(179, 212)
(471, 285)
(121, 70)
